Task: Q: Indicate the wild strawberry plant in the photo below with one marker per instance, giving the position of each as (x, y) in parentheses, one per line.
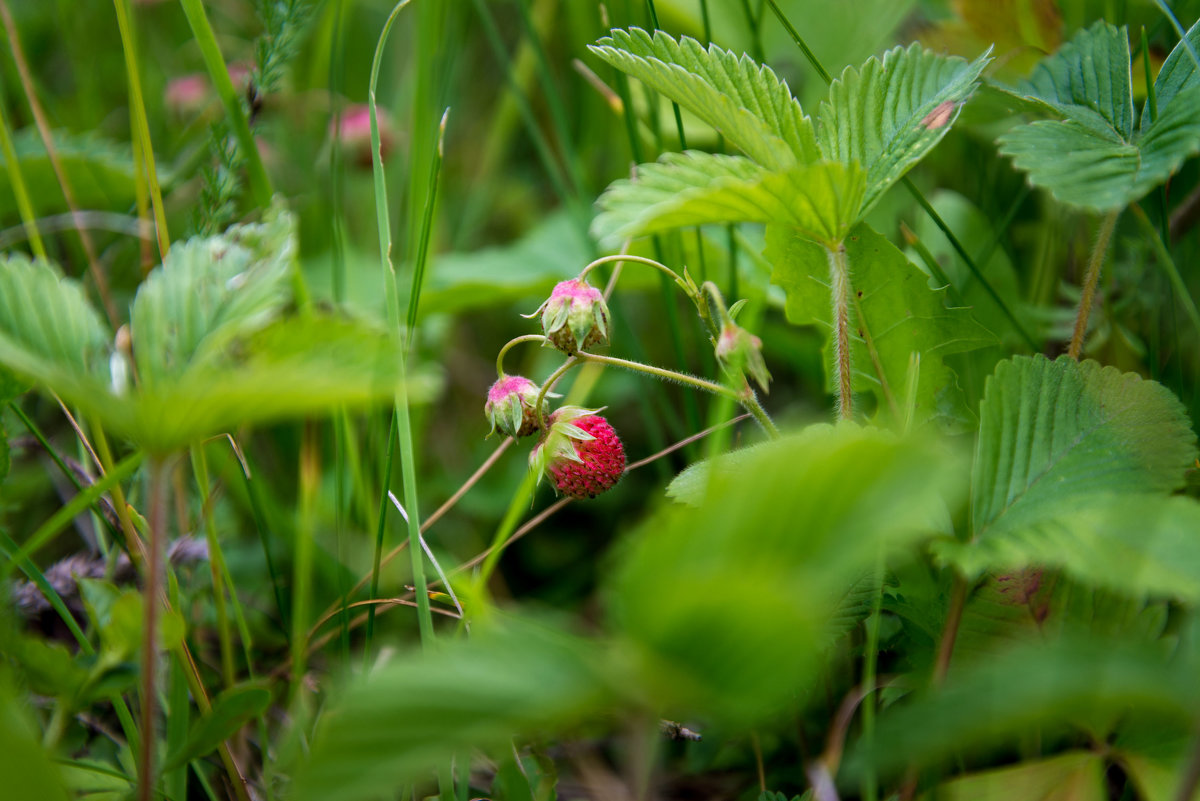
(944, 559)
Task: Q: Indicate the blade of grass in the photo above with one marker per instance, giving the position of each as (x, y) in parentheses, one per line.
(1168, 265)
(388, 274)
(77, 505)
(141, 128)
(380, 529)
(11, 550)
(218, 73)
(17, 181)
(418, 277)
(216, 560)
(64, 183)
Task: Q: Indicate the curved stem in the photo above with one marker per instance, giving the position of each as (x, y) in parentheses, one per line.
(746, 397)
(839, 284)
(549, 383)
(512, 342)
(621, 257)
(663, 373)
(1099, 250)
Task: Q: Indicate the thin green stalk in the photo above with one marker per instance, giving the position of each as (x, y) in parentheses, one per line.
(264, 535)
(958, 601)
(216, 559)
(403, 420)
(510, 345)
(839, 283)
(156, 522)
(218, 72)
(33, 429)
(59, 520)
(747, 400)
(624, 257)
(545, 153)
(553, 97)
(870, 665)
(337, 175)
(549, 383)
(1169, 267)
(10, 549)
(418, 278)
(1091, 279)
(340, 436)
(970, 262)
(17, 181)
(380, 530)
(754, 22)
(141, 128)
(60, 174)
(303, 555)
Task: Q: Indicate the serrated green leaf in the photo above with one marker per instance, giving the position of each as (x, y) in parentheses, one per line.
(1178, 73)
(1073, 776)
(1054, 431)
(1136, 544)
(209, 356)
(1090, 76)
(231, 710)
(895, 307)
(295, 367)
(1030, 688)
(102, 172)
(1093, 168)
(48, 329)
(403, 720)
(821, 200)
(208, 292)
(888, 114)
(792, 527)
(745, 101)
(1093, 158)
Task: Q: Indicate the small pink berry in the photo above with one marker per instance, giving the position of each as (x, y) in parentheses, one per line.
(738, 351)
(353, 134)
(510, 406)
(575, 317)
(581, 453)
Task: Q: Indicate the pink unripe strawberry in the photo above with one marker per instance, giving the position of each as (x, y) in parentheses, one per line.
(581, 453)
(510, 406)
(353, 134)
(575, 317)
(738, 352)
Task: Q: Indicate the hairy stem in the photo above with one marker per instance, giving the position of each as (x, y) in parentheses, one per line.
(510, 345)
(549, 383)
(157, 518)
(621, 258)
(745, 397)
(958, 600)
(839, 284)
(1099, 250)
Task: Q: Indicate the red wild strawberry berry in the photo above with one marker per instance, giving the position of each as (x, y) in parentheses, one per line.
(581, 453)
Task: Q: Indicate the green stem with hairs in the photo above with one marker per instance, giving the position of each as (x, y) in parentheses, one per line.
(746, 397)
(510, 345)
(839, 283)
(550, 382)
(1090, 280)
(403, 418)
(623, 257)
